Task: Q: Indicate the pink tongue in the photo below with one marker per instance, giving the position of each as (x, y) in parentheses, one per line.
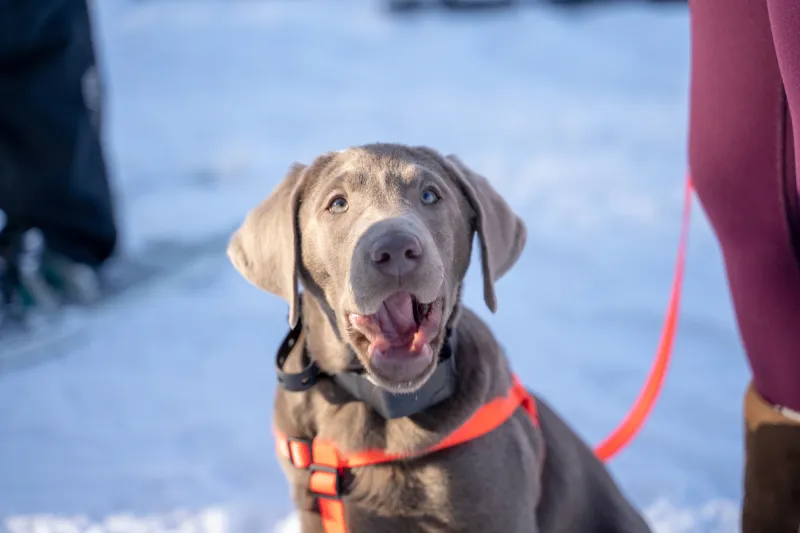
(396, 317)
(392, 331)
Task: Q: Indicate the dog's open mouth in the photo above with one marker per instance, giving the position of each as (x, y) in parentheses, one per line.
(398, 338)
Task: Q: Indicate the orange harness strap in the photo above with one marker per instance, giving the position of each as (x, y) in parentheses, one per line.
(327, 463)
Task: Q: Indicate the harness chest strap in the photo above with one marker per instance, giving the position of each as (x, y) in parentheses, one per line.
(327, 463)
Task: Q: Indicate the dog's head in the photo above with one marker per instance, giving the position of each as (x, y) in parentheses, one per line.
(381, 236)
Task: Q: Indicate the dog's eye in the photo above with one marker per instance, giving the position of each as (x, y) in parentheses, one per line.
(429, 197)
(337, 205)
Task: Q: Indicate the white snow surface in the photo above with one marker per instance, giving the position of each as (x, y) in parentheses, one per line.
(158, 419)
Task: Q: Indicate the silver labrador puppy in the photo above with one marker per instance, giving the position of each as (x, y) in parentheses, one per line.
(379, 237)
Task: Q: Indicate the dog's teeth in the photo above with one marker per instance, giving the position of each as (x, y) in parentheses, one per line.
(421, 311)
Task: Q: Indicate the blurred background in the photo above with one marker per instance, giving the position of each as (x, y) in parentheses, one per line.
(151, 412)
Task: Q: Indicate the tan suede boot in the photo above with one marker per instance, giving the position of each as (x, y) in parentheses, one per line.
(772, 470)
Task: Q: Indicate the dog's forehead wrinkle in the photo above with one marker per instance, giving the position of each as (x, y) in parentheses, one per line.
(381, 162)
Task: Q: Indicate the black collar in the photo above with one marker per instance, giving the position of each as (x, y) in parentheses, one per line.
(439, 387)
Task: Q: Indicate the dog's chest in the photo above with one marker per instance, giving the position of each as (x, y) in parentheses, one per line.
(460, 490)
(403, 497)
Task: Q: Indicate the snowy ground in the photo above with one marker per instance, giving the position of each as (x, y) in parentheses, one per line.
(158, 420)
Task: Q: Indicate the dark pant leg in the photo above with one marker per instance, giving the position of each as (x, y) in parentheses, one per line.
(52, 171)
(742, 161)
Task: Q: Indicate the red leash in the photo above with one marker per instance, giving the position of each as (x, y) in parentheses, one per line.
(638, 414)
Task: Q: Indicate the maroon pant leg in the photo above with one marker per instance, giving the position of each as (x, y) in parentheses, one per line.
(784, 18)
(742, 160)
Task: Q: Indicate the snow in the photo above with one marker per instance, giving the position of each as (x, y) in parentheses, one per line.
(158, 419)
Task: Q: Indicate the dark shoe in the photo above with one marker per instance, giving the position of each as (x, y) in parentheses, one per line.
(34, 279)
(772, 470)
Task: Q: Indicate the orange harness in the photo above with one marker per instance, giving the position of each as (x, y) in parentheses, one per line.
(326, 463)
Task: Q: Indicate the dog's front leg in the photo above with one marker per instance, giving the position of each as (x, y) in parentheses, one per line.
(304, 501)
(310, 522)
(307, 505)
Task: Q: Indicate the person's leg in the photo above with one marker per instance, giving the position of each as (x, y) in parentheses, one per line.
(785, 21)
(744, 173)
(742, 162)
(773, 476)
(52, 170)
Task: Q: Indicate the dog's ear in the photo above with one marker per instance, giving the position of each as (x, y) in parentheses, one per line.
(501, 233)
(266, 247)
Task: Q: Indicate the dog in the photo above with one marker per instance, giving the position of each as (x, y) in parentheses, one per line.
(380, 237)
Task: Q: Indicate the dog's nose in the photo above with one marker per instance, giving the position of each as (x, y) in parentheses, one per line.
(396, 253)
